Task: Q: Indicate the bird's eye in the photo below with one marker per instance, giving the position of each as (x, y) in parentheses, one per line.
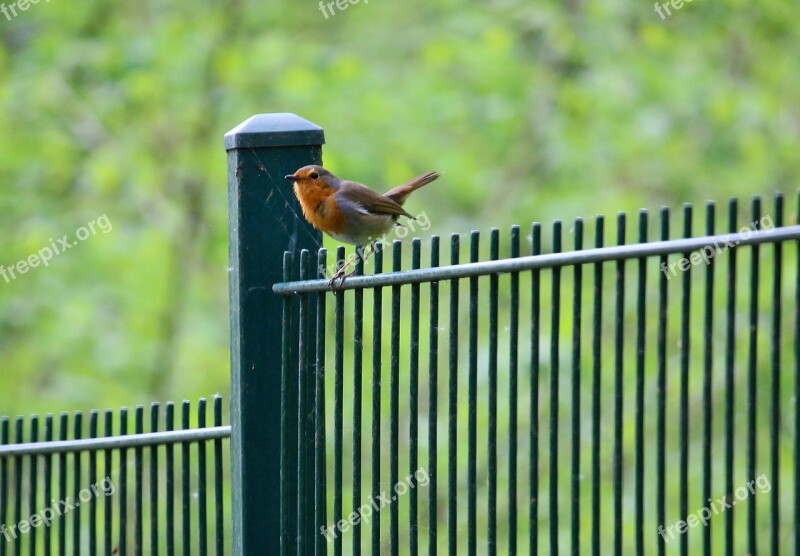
(314, 175)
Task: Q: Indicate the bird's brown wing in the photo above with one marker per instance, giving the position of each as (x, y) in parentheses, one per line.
(370, 200)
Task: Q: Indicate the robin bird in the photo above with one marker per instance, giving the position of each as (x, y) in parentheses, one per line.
(348, 211)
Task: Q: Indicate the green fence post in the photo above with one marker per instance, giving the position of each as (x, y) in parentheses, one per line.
(265, 220)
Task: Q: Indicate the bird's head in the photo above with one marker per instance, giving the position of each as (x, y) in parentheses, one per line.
(313, 176)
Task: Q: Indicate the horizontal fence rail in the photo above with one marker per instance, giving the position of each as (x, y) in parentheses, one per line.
(624, 399)
(550, 260)
(112, 442)
(78, 484)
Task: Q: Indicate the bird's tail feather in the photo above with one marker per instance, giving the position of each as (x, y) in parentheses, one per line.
(400, 193)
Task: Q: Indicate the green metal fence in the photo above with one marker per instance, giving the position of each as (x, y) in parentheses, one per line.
(636, 396)
(99, 484)
(609, 399)
(685, 401)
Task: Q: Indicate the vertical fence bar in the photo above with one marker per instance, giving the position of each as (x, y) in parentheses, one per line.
(683, 463)
(597, 362)
(302, 409)
(153, 481)
(377, 338)
(33, 479)
(619, 322)
(730, 399)
(202, 477)
(219, 525)
(494, 249)
(169, 480)
(265, 222)
(138, 484)
(775, 422)
(577, 284)
(75, 514)
(708, 363)
(108, 464)
(533, 465)
(47, 473)
(752, 361)
(358, 361)
(186, 486)
(513, 396)
(62, 482)
(18, 439)
(555, 320)
(319, 412)
(93, 418)
(641, 315)
(413, 403)
(433, 401)
(452, 408)
(394, 404)
(661, 386)
(472, 394)
(122, 542)
(4, 439)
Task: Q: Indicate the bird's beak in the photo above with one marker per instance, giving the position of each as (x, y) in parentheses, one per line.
(290, 177)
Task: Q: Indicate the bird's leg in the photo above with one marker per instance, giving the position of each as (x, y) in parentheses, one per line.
(365, 256)
(341, 275)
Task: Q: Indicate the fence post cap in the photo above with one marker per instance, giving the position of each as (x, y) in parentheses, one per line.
(274, 130)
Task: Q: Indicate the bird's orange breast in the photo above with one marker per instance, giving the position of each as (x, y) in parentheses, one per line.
(321, 209)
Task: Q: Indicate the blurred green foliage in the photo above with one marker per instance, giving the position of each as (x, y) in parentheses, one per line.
(534, 111)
